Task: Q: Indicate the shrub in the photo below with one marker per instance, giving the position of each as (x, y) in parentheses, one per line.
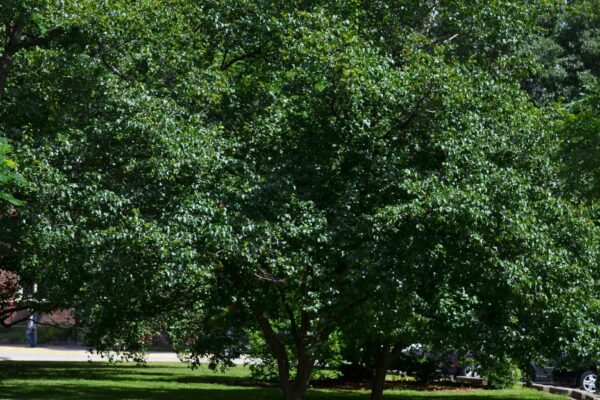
(501, 373)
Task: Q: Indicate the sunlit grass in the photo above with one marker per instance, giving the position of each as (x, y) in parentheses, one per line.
(172, 381)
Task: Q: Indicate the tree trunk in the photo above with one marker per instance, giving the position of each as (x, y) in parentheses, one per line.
(382, 361)
(296, 389)
(292, 390)
(303, 375)
(291, 394)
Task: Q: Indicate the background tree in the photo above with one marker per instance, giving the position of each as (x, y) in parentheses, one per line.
(9, 181)
(23, 25)
(581, 145)
(566, 50)
(578, 156)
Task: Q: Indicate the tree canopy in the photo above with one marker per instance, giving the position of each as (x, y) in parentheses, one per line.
(298, 171)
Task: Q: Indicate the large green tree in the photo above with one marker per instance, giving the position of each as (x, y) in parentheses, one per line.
(229, 167)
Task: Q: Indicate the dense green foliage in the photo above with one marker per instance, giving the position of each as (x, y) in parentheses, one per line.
(8, 175)
(303, 175)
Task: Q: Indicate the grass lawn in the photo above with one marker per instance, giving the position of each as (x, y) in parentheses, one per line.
(169, 381)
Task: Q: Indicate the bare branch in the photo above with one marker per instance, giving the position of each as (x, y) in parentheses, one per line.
(268, 276)
(443, 40)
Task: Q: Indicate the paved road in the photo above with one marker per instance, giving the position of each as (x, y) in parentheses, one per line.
(58, 353)
(63, 353)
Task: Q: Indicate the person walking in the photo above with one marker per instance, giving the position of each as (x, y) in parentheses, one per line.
(31, 331)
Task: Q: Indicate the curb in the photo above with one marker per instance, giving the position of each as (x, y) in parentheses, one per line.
(472, 381)
(577, 394)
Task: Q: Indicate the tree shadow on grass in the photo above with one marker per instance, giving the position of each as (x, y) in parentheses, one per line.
(116, 373)
(72, 392)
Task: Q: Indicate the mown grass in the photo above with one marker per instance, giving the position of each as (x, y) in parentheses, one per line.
(170, 381)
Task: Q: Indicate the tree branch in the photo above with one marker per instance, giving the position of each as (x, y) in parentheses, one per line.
(109, 66)
(331, 325)
(442, 40)
(5, 314)
(226, 64)
(13, 45)
(40, 40)
(294, 327)
(267, 276)
(412, 113)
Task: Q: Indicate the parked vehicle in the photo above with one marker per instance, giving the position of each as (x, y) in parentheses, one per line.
(426, 366)
(471, 371)
(583, 378)
(449, 365)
